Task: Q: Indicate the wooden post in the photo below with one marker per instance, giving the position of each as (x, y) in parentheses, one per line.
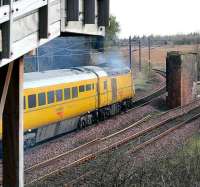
(13, 162)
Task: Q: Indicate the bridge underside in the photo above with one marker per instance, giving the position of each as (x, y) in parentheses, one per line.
(24, 26)
(27, 24)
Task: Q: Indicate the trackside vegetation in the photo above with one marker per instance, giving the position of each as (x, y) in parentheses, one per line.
(180, 168)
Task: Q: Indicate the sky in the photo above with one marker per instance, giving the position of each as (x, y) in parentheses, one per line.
(158, 17)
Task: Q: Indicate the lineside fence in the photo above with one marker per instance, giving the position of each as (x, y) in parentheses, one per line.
(140, 54)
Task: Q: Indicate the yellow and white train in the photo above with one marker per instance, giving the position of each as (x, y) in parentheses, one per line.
(60, 101)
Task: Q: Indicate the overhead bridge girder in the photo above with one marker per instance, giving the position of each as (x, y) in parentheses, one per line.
(27, 24)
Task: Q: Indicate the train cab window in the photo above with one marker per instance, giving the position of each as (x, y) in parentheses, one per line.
(105, 85)
(67, 94)
(41, 99)
(93, 86)
(74, 92)
(59, 95)
(32, 101)
(88, 87)
(24, 102)
(81, 88)
(50, 96)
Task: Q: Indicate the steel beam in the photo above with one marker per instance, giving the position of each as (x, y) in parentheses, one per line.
(28, 24)
(19, 8)
(5, 89)
(72, 10)
(7, 32)
(12, 138)
(4, 13)
(44, 21)
(89, 11)
(103, 12)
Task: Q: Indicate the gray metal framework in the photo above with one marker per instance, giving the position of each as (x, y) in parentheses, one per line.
(27, 24)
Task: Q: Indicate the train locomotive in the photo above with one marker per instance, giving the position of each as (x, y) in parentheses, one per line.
(60, 101)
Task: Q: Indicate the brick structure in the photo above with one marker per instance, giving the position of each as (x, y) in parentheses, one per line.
(198, 67)
(181, 78)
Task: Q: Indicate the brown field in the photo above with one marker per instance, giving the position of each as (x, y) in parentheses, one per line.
(145, 80)
(159, 54)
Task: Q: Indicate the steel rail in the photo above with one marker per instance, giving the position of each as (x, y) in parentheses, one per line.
(125, 141)
(143, 145)
(93, 142)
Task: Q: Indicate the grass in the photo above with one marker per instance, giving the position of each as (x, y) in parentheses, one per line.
(193, 144)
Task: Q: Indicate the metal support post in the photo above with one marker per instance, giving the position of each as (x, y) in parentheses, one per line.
(130, 52)
(12, 119)
(7, 32)
(140, 60)
(149, 46)
(37, 60)
(44, 21)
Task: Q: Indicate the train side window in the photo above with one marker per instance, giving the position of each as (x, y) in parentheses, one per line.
(105, 85)
(59, 95)
(67, 94)
(50, 96)
(81, 88)
(41, 99)
(74, 92)
(88, 87)
(24, 102)
(32, 101)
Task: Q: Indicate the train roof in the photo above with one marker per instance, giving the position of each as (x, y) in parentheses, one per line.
(95, 69)
(113, 71)
(107, 70)
(54, 77)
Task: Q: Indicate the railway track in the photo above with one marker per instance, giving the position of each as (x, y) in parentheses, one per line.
(138, 103)
(138, 140)
(156, 93)
(89, 149)
(148, 136)
(161, 72)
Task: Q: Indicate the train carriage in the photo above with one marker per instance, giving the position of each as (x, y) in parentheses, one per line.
(60, 101)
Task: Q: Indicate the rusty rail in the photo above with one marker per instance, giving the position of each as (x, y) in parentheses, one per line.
(142, 145)
(131, 138)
